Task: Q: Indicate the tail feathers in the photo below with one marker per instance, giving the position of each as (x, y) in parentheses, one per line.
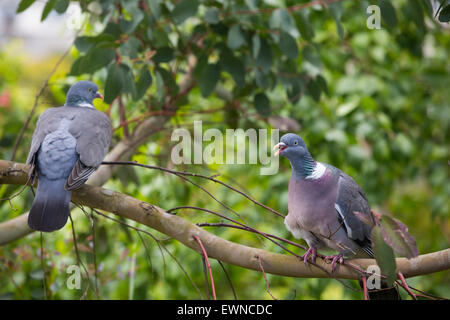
(50, 208)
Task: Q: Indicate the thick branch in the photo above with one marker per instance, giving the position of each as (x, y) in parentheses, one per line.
(218, 248)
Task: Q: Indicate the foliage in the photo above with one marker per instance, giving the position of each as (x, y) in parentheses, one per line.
(371, 102)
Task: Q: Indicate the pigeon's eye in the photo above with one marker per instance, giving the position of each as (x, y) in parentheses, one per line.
(89, 89)
(295, 142)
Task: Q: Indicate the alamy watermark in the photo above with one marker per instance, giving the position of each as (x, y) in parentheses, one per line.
(235, 146)
(374, 17)
(74, 280)
(374, 280)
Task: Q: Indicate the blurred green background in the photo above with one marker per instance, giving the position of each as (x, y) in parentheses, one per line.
(373, 102)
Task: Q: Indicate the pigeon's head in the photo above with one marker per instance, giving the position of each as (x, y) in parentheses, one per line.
(82, 94)
(291, 146)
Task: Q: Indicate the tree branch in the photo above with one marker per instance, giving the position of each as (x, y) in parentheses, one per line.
(218, 248)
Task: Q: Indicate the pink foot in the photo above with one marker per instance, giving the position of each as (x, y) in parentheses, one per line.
(310, 252)
(334, 258)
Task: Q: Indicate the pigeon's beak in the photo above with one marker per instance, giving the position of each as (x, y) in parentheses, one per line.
(99, 95)
(279, 147)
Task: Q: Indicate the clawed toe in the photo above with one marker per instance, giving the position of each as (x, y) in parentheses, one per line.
(310, 252)
(334, 259)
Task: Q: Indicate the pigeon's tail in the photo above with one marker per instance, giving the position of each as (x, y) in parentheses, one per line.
(50, 208)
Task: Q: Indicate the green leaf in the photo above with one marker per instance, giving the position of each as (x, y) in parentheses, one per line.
(444, 15)
(313, 88)
(262, 104)
(164, 54)
(256, 45)
(160, 92)
(143, 83)
(322, 84)
(114, 82)
(261, 79)
(24, 4)
(169, 80)
(61, 6)
(233, 66)
(415, 12)
(384, 256)
(155, 8)
(130, 47)
(264, 58)
(83, 43)
(282, 20)
(97, 58)
(303, 25)
(395, 233)
(128, 26)
(128, 80)
(276, 19)
(211, 16)
(388, 13)
(288, 45)
(336, 12)
(235, 38)
(312, 64)
(183, 10)
(47, 9)
(208, 79)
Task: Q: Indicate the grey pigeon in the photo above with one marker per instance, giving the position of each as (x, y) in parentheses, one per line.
(322, 203)
(68, 145)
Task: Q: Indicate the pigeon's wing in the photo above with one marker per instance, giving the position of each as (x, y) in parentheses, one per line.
(47, 123)
(92, 129)
(352, 199)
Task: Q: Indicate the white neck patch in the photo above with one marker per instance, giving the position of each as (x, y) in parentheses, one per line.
(318, 172)
(85, 105)
(82, 105)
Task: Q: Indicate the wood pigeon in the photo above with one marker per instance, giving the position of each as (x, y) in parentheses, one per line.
(322, 202)
(68, 145)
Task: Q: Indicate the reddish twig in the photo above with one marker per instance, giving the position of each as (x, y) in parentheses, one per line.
(134, 163)
(265, 278)
(205, 255)
(405, 286)
(366, 292)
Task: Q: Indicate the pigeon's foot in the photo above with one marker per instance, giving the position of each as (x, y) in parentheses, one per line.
(312, 251)
(334, 259)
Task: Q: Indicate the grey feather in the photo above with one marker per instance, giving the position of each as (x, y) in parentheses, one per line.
(91, 129)
(351, 198)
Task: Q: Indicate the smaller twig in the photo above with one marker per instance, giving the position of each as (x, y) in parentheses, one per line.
(78, 256)
(158, 242)
(265, 278)
(228, 278)
(44, 280)
(405, 286)
(205, 274)
(205, 255)
(94, 252)
(178, 173)
(426, 294)
(366, 292)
